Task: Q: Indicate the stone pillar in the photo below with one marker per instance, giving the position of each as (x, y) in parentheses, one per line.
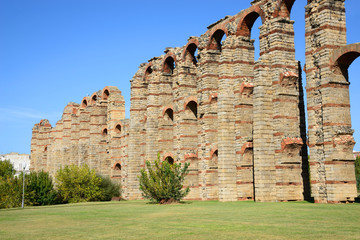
(207, 99)
(137, 129)
(330, 133)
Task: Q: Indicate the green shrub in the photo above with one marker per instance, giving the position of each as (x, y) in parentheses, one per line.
(78, 184)
(163, 182)
(10, 192)
(110, 189)
(6, 169)
(39, 189)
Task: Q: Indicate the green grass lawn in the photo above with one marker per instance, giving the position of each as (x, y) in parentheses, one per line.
(191, 220)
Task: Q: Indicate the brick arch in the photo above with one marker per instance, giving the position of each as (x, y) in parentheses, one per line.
(188, 47)
(283, 8)
(93, 98)
(105, 93)
(84, 102)
(165, 108)
(189, 99)
(216, 35)
(104, 131)
(148, 70)
(341, 58)
(249, 16)
(116, 164)
(116, 129)
(168, 154)
(168, 110)
(165, 59)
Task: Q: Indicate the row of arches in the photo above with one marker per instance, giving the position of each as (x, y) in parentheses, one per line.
(190, 110)
(219, 33)
(117, 129)
(95, 97)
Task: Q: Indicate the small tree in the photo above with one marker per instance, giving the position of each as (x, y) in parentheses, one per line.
(39, 189)
(6, 169)
(10, 192)
(78, 184)
(163, 182)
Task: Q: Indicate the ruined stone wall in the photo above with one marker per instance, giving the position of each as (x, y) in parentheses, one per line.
(93, 133)
(240, 123)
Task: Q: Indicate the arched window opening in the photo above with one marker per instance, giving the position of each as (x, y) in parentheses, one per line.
(169, 114)
(147, 74)
(191, 53)
(84, 103)
(106, 94)
(169, 65)
(255, 35)
(169, 160)
(217, 40)
(118, 129)
(192, 106)
(105, 132)
(45, 149)
(344, 62)
(117, 167)
(94, 99)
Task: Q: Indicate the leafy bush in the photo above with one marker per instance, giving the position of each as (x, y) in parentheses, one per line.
(39, 189)
(163, 182)
(6, 169)
(78, 184)
(10, 192)
(110, 189)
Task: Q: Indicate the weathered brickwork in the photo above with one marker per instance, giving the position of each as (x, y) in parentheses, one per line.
(240, 123)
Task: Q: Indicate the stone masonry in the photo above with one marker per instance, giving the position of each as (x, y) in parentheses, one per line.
(240, 123)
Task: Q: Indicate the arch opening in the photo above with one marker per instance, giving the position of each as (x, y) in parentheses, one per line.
(191, 53)
(170, 160)
(118, 129)
(169, 114)
(217, 40)
(94, 99)
(148, 71)
(343, 63)
(104, 132)
(106, 94)
(84, 103)
(117, 167)
(169, 65)
(192, 108)
(247, 24)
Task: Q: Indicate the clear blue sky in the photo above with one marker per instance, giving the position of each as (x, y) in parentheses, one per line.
(57, 51)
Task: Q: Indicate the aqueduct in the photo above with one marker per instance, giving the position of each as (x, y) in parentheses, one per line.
(239, 122)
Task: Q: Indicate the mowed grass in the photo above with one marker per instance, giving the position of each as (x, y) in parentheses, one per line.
(191, 220)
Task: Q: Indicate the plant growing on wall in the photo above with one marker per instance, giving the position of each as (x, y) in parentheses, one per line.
(162, 182)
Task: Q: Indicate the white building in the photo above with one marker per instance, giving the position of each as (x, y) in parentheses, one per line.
(19, 161)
